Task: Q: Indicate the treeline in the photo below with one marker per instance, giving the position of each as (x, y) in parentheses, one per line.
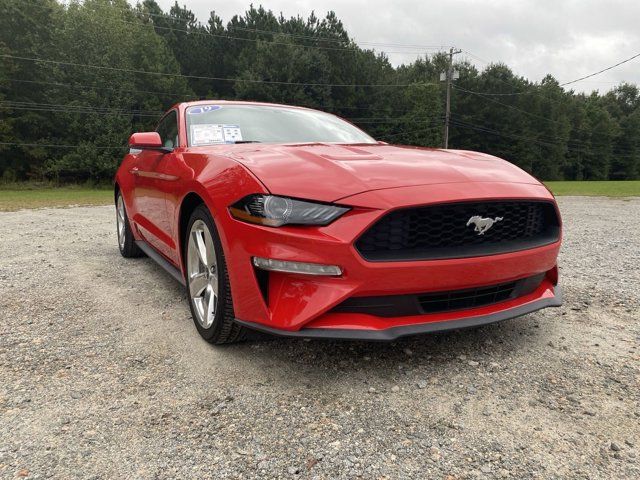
(77, 79)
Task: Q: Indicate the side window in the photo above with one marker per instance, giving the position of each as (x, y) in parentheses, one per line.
(168, 130)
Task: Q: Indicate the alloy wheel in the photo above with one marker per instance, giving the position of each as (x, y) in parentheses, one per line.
(202, 273)
(121, 221)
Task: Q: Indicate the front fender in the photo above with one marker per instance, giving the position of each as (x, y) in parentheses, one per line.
(218, 183)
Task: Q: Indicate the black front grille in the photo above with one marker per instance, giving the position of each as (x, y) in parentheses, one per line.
(437, 302)
(447, 230)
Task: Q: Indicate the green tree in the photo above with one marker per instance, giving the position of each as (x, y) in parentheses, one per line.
(89, 91)
(114, 102)
(27, 29)
(598, 154)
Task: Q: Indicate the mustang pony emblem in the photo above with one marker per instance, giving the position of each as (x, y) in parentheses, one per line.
(482, 224)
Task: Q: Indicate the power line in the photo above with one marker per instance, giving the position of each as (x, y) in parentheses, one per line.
(486, 62)
(554, 140)
(535, 141)
(485, 96)
(82, 109)
(560, 85)
(18, 144)
(508, 135)
(449, 75)
(200, 77)
(70, 108)
(500, 80)
(256, 40)
(35, 107)
(601, 71)
(571, 128)
(85, 112)
(305, 37)
(195, 31)
(185, 96)
(545, 143)
(229, 37)
(372, 121)
(513, 94)
(421, 48)
(425, 129)
(308, 37)
(73, 106)
(96, 87)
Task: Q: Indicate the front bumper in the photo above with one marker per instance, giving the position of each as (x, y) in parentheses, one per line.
(301, 305)
(393, 333)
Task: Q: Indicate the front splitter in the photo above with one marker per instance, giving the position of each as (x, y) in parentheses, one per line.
(394, 333)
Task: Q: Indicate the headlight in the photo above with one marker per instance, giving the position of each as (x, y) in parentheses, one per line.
(276, 211)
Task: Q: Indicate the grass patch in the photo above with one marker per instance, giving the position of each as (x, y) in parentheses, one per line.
(16, 199)
(622, 188)
(20, 196)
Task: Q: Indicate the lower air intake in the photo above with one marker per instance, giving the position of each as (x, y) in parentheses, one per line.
(438, 302)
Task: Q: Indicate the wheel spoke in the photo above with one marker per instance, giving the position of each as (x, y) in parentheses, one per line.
(210, 250)
(210, 302)
(200, 247)
(198, 282)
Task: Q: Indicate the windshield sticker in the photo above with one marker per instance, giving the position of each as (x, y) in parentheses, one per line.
(203, 109)
(206, 134)
(210, 134)
(232, 133)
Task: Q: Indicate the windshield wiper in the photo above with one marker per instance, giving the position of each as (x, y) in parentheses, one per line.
(247, 141)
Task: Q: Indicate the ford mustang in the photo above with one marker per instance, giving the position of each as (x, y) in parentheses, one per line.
(294, 222)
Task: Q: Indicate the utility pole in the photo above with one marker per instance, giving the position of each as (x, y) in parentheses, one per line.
(449, 76)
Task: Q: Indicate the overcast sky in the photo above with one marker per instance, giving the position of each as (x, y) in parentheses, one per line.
(567, 38)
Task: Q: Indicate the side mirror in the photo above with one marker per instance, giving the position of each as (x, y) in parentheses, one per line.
(146, 141)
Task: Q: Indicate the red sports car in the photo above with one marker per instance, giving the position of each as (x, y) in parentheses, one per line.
(295, 222)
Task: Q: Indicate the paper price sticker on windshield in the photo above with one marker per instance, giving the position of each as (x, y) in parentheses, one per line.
(232, 133)
(210, 134)
(206, 134)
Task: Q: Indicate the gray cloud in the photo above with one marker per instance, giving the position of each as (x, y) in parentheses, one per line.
(566, 38)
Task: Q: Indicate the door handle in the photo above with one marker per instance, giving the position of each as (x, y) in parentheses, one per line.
(134, 171)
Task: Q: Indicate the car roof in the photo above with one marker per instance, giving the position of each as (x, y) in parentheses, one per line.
(235, 102)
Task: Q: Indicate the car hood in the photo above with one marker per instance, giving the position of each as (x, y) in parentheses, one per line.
(329, 172)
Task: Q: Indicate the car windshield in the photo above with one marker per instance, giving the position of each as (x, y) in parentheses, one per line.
(217, 124)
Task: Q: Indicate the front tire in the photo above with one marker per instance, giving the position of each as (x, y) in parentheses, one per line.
(207, 281)
(126, 242)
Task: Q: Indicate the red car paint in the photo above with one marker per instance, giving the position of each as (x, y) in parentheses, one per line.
(372, 179)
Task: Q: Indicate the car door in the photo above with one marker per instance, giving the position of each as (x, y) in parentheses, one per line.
(150, 185)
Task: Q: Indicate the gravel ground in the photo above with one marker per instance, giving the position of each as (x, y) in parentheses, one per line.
(102, 374)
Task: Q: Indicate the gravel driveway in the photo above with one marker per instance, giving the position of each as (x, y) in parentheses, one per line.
(103, 375)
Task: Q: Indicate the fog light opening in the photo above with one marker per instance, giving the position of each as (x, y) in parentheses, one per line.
(297, 267)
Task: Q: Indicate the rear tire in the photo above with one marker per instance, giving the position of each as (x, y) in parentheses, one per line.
(207, 280)
(126, 242)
